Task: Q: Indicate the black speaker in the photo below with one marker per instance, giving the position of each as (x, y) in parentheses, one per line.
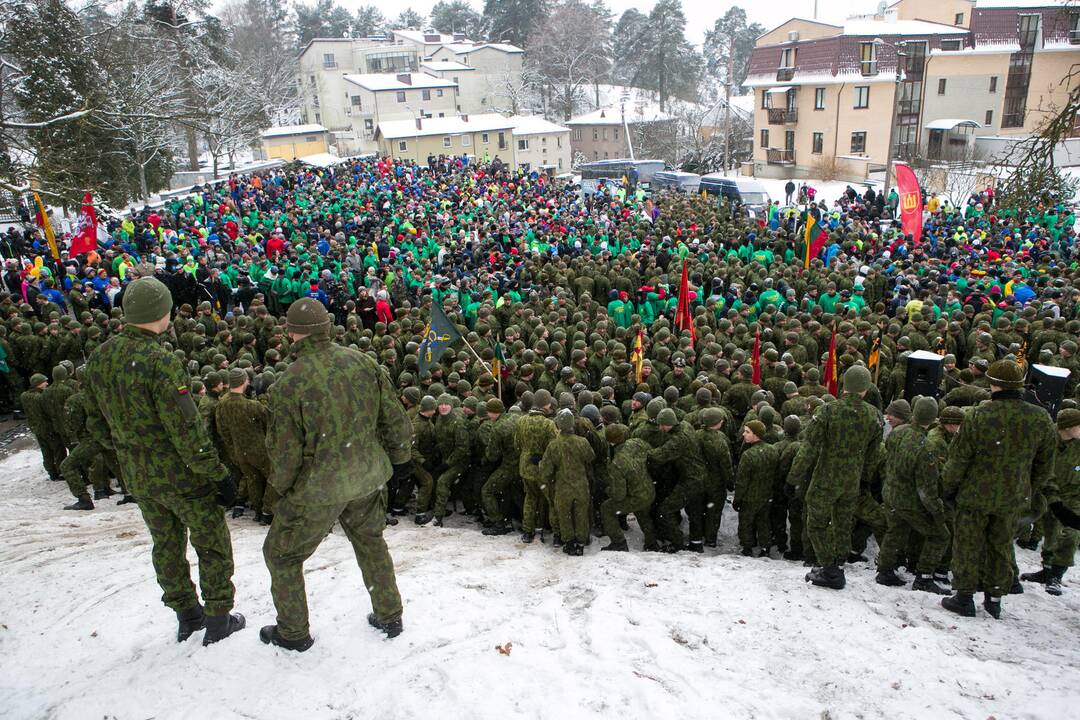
(924, 373)
(1045, 386)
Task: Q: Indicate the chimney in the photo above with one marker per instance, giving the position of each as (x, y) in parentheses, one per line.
(405, 78)
(464, 118)
(432, 38)
(459, 37)
(419, 124)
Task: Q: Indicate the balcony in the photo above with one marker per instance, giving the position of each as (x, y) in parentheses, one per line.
(782, 116)
(784, 74)
(779, 156)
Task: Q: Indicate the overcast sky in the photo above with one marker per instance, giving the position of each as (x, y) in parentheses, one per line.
(700, 14)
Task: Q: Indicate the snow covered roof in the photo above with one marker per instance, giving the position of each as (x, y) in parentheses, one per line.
(950, 123)
(286, 130)
(872, 28)
(1019, 3)
(322, 160)
(534, 125)
(444, 65)
(462, 48)
(635, 113)
(485, 122)
(421, 37)
(377, 82)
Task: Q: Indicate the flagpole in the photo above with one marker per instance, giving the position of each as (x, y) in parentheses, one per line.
(478, 358)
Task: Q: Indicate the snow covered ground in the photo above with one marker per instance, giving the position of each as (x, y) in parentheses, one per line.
(83, 634)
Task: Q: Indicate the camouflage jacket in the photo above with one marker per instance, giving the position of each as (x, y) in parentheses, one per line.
(501, 448)
(453, 438)
(1066, 483)
(336, 426)
(531, 437)
(629, 474)
(682, 450)
(54, 398)
(241, 424)
(566, 460)
(840, 445)
(36, 417)
(911, 471)
(716, 452)
(755, 474)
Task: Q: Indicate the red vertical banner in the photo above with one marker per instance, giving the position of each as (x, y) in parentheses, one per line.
(755, 359)
(907, 186)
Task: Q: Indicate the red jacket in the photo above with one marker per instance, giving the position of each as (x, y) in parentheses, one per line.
(274, 246)
(383, 312)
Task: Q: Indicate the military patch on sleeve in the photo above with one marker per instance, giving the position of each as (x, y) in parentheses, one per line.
(187, 406)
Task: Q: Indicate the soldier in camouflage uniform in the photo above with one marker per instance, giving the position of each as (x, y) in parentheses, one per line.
(330, 466)
(139, 405)
(719, 474)
(630, 489)
(84, 463)
(1004, 452)
(1060, 540)
(913, 498)
(795, 510)
(455, 449)
(241, 424)
(682, 451)
(502, 453)
(531, 437)
(753, 490)
(55, 397)
(565, 465)
(840, 445)
(425, 454)
(48, 437)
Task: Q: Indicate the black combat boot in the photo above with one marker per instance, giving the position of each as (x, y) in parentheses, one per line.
(925, 583)
(992, 605)
(568, 548)
(710, 543)
(528, 537)
(438, 522)
(391, 520)
(266, 519)
(941, 577)
(652, 547)
(623, 523)
(889, 577)
(855, 557)
(399, 512)
(620, 546)
(1042, 577)
(748, 551)
(1032, 545)
(579, 549)
(502, 527)
(424, 518)
(269, 635)
(793, 555)
(696, 546)
(102, 494)
(83, 503)
(219, 627)
(191, 621)
(127, 499)
(556, 540)
(830, 576)
(392, 629)
(1017, 588)
(238, 512)
(1053, 585)
(962, 604)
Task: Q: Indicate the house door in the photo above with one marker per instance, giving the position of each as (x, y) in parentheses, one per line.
(933, 150)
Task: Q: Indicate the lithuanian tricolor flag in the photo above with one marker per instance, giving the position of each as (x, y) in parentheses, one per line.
(814, 239)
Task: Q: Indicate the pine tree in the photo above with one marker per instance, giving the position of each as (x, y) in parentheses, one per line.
(513, 21)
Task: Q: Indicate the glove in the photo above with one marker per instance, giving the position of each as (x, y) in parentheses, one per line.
(226, 491)
(790, 490)
(402, 471)
(1066, 516)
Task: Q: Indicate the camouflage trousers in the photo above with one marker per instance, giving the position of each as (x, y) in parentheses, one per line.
(253, 485)
(829, 518)
(715, 497)
(754, 530)
(1059, 542)
(983, 552)
(172, 521)
(869, 518)
(496, 491)
(799, 543)
(84, 465)
(572, 506)
(425, 490)
(295, 534)
(443, 484)
(53, 452)
(536, 505)
(687, 494)
(902, 524)
(641, 507)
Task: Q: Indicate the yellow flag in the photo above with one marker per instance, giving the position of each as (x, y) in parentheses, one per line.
(47, 227)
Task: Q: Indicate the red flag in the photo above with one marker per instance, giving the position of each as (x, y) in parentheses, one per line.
(683, 319)
(832, 383)
(755, 359)
(907, 185)
(85, 238)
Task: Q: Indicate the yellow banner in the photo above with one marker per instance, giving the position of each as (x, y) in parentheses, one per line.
(47, 227)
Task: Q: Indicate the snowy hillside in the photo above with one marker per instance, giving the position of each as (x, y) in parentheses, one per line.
(84, 635)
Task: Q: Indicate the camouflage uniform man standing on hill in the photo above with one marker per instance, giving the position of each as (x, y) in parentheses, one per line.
(241, 424)
(501, 451)
(140, 406)
(331, 465)
(840, 443)
(455, 448)
(531, 437)
(48, 437)
(565, 464)
(1003, 452)
(630, 489)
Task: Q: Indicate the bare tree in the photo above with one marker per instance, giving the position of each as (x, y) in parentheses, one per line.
(570, 49)
(512, 92)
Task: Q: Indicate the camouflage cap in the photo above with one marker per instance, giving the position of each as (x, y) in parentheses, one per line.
(652, 410)
(427, 404)
(564, 420)
(412, 394)
(146, 300)
(37, 379)
(925, 411)
(495, 406)
(757, 427)
(616, 434)
(1006, 374)
(667, 418)
(792, 425)
(711, 417)
(1068, 418)
(237, 377)
(446, 399)
(610, 414)
(899, 408)
(308, 316)
(857, 379)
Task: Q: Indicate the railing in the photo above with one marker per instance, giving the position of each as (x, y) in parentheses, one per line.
(782, 116)
(779, 156)
(1074, 37)
(785, 74)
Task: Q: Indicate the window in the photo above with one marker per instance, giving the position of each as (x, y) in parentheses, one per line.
(818, 143)
(484, 138)
(369, 124)
(442, 114)
(401, 96)
(543, 141)
(402, 146)
(466, 140)
(604, 133)
(523, 144)
(595, 134)
(941, 86)
(862, 97)
(595, 155)
(454, 79)
(787, 58)
(318, 119)
(311, 138)
(575, 134)
(959, 19)
(357, 102)
(438, 93)
(560, 163)
(764, 99)
(993, 83)
(819, 98)
(858, 142)
(446, 141)
(868, 58)
(989, 118)
(605, 155)
(425, 94)
(950, 44)
(616, 134)
(328, 61)
(558, 142)
(764, 138)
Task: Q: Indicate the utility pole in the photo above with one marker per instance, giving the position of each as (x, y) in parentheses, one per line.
(727, 101)
(626, 128)
(900, 55)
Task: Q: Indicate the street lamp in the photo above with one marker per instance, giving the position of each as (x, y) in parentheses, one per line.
(900, 54)
(626, 130)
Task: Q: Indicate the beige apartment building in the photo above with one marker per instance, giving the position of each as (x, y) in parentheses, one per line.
(600, 135)
(531, 143)
(825, 95)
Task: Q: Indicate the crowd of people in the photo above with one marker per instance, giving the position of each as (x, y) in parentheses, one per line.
(575, 401)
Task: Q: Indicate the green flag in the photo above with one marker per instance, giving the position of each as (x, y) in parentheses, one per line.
(440, 334)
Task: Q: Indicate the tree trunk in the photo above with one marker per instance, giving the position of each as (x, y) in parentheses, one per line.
(727, 103)
(143, 192)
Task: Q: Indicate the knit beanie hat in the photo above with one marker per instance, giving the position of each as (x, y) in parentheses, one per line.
(308, 316)
(146, 300)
